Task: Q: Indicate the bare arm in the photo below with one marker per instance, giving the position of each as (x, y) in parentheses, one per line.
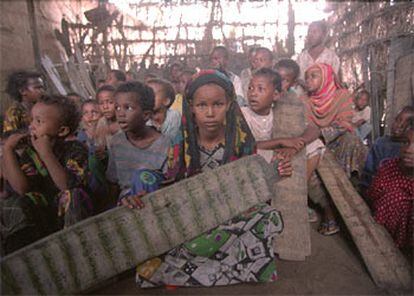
(311, 133)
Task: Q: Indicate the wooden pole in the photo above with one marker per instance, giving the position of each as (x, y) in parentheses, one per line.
(34, 34)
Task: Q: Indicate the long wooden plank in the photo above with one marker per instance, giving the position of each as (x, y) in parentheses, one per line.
(387, 266)
(290, 196)
(92, 251)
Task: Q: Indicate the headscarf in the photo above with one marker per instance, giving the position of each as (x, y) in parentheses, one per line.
(184, 155)
(331, 103)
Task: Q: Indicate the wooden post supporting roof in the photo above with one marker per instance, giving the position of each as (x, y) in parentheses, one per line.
(34, 34)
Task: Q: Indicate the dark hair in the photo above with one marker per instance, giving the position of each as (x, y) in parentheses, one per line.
(105, 87)
(87, 102)
(268, 51)
(273, 76)
(322, 25)
(69, 113)
(167, 89)
(223, 49)
(289, 64)
(361, 93)
(18, 81)
(119, 75)
(144, 94)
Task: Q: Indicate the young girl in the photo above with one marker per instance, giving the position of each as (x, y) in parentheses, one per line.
(25, 88)
(214, 133)
(107, 126)
(164, 119)
(330, 108)
(138, 149)
(392, 193)
(47, 179)
(362, 116)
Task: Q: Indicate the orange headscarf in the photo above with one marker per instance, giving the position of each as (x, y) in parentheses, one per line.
(331, 103)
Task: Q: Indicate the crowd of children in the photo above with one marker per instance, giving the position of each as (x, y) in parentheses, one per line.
(65, 158)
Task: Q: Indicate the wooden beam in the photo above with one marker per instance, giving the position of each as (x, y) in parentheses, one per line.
(387, 266)
(34, 34)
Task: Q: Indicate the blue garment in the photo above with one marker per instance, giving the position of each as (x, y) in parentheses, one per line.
(143, 180)
(383, 148)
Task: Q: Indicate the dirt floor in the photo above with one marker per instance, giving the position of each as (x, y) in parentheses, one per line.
(334, 268)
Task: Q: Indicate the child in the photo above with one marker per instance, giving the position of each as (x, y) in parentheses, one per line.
(137, 147)
(392, 193)
(107, 126)
(362, 115)
(246, 74)
(164, 119)
(47, 179)
(184, 78)
(219, 59)
(214, 133)
(386, 147)
(263, 58)
(315, 51)
(264, 90)
(25, 88)
(289, 71)
(76, 98)
(115, 78)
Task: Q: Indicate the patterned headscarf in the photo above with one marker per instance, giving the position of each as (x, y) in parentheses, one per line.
(331, 103)
(184, 156)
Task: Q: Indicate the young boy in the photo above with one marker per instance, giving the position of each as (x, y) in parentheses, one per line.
(164, 119)
(184, 78)
(289, 71)
(115, 78)
(362, 115)
(263, 58)
(48, 179)
(137, 147)
(386, 147)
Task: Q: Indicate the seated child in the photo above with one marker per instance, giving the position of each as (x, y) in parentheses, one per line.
(392, 193)
(289, 71)
(137, 147)
(107, 125)
(385, 147)
(47, 180)
(362, 115)
(164, 119)
(25, 88)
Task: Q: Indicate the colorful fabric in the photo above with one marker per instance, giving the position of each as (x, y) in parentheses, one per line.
(384, 148)
(330, 104)
(125, 158)
(178, 104)
(328, 56)
(17, 117)
(184, 157)
(171, 125)
(35, 214)
(235, 252)
(144, 180)
(392, 193)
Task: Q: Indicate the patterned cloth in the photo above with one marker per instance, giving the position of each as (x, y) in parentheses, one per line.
(328, 56)
(392, 193)
(384, 148)
(34, 215)
(16, 117)
(234, 252)
(125, 158)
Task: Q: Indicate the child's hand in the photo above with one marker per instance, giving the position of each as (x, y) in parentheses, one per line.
(284, 167)
(296, 143)
(13, 140)
(42, 144)
(63, 203)
(285, 153)
(133, 201)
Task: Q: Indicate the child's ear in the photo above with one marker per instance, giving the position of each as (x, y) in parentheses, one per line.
(276, 96)
(147, 115)
(63, 131)
(166, 101)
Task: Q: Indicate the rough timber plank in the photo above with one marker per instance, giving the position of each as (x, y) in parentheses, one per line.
(387, 266)
(92, 251)
(290, 194)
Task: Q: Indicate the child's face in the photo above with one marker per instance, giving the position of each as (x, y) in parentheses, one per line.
(400, 124)
(315, 36)
(90, 115)
(46, 121)
(33, 91)
(262, 60)
(218, 59)
(76, 100)
(184, 78)
(313, 79)
(261, 94)
(107, 104)
(161, 103)
(129, 113)
(362, 102)
(407, 150)
(209, 107)
(288, 78)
